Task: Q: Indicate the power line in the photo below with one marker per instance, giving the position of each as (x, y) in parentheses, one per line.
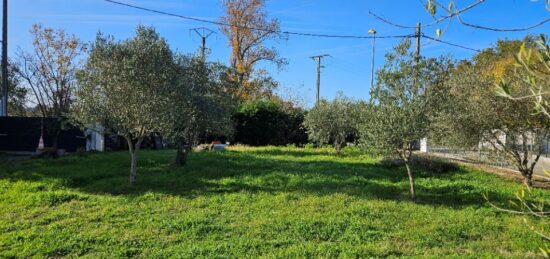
(458, 14)
(449, 43)
(487, 28)
(437, 21)
(218, 23)
(390, 22)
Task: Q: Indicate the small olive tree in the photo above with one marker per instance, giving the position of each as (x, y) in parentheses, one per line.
(199, 104)
(333, 121)
(124, 87)
(399, 114)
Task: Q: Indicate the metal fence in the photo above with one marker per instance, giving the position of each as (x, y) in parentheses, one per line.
(21, 134)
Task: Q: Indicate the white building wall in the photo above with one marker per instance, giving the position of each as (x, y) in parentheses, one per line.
(424, 145)
(95, 140)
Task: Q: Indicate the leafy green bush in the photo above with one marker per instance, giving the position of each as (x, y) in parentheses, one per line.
(263, 122)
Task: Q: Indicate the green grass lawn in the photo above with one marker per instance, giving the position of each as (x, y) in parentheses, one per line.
(250, 202)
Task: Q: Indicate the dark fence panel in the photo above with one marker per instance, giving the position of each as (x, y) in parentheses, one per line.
(21, 134)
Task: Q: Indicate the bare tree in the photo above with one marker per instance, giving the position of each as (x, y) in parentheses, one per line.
(247, 28)
(49, 72)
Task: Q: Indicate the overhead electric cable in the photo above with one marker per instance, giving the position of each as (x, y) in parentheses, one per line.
(487, 28)
(218, 23)
(437, 21)
(449, 43)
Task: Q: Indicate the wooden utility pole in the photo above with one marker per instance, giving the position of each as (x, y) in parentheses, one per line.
(418, 36)
(417, 54)
(373, 32)
(203, 33)
(318, 58)
(4, 108)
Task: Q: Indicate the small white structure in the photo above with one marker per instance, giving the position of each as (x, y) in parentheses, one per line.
(95, 141)
(424, 145)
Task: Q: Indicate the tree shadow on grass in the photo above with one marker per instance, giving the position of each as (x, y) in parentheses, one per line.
(233, 172)
(305, 152)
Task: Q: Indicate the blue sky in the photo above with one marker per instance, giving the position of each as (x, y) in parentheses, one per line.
(348, 69)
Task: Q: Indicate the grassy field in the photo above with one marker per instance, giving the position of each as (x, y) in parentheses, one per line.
(250, 202)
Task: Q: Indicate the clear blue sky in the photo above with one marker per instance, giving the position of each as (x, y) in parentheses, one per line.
(349, 68)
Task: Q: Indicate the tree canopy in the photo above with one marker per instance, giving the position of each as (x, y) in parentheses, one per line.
(334, 122)
(401, 104)
(124, 87)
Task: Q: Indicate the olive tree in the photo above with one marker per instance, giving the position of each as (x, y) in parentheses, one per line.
(124, 87)
(333, 121)
(199, 104)
(475, 117)
(534, 63)
(401, 102)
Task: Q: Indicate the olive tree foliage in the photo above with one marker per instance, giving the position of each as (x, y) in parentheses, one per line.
(124, 87)
(401, 103)
(475, 117)
(200, 104)
(333, 122)
(48, 70)
(534, 67)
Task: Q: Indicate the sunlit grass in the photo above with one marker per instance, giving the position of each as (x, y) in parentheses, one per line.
(272, 202)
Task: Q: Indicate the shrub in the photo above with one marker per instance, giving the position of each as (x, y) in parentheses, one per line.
(263, 122)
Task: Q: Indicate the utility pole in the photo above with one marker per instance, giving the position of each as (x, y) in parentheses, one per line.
(373, 32)
(4, 108)
(203, 33)
(418, 36)
(417, 53)
(318, 58)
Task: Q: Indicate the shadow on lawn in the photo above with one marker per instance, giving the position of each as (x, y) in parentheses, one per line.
(305, 152)
(233, 172)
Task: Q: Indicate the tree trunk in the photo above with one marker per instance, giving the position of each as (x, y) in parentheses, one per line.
(134, 148)
(181, 154)
(133, 167)
(338, 148)
(411, 181)
(528, 178)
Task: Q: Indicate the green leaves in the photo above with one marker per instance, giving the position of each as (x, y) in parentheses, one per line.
(504, 89)
(431, 7)
(450, 6)
(438, 33)
(122, 92)
(401, 102)
(332, 122)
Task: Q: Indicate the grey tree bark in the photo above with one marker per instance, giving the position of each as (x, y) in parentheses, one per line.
(181, 154)
(134, 149)
(411, 181)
